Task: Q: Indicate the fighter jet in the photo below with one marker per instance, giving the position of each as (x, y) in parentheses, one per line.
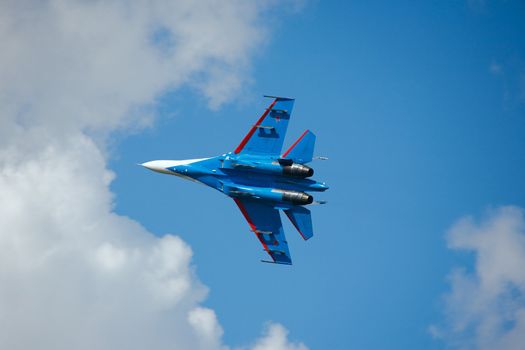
(261, 178)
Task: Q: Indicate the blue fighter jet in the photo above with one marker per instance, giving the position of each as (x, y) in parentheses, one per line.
(260, 179)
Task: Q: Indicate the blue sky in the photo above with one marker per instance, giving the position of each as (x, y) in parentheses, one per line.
(420, 108)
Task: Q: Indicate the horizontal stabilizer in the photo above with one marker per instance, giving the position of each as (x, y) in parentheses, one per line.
(302, 220)
(302, 150)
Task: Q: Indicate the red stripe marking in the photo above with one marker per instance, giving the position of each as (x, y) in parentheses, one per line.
(293, 222)
(294, 144)
(254, 127)
(250, 222)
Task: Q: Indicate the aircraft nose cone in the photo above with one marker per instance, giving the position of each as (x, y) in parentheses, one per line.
(150, 165)
(156, 165)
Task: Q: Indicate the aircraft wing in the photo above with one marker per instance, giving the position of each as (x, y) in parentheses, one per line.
(267, 135)
(265, 222)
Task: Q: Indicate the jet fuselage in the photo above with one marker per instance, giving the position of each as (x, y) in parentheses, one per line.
(265, 178)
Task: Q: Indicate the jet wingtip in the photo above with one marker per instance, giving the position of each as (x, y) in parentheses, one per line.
(276, 262)
(280, 98)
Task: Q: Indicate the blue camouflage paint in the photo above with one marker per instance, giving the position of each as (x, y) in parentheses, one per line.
(261, 179)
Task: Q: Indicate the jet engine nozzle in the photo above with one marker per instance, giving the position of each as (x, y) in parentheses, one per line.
(299, 198)
(298, 170)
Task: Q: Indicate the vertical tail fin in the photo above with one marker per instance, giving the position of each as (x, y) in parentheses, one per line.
(302, 220)
(302, 150)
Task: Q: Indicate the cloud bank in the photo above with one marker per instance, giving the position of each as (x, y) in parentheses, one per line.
(73, 274)
(485, 308)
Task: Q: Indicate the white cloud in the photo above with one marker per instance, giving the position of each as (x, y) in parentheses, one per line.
(485, 308)
(73, 274)
(275, 338)
(97, 62)
(206, 326)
